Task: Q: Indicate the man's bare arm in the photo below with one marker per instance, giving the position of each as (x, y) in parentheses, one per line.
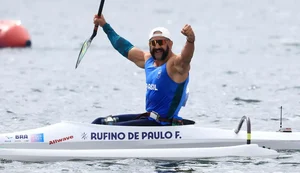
(182, 62)
(137, 56)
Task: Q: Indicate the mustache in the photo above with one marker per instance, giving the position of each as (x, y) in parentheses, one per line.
(160, 49)
(164, 52)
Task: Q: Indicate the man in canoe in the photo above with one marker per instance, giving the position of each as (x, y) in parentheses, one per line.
(167, 75)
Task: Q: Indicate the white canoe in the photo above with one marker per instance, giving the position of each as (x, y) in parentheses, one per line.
(37, 155)
(71, 140)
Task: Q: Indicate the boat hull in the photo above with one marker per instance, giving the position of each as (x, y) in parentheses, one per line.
(37, 155)
(71, 135)
(67, 138)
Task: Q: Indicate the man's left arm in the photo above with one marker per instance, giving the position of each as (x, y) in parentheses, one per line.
(182, 62)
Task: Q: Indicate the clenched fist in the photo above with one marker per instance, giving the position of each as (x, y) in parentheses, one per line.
(99, 20)
(189, 33)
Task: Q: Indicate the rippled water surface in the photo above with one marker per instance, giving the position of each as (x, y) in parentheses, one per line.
(246, 62)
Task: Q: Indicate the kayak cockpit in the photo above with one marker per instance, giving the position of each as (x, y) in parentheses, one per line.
(137, 120)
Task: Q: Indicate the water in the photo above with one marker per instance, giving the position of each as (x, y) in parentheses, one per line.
(246, 62)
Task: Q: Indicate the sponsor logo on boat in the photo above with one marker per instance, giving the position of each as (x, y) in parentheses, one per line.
(108, 136)
(61, 140)
(37, 137)
(21, 136)
(84, 136)
(152, 87)
(8, 138)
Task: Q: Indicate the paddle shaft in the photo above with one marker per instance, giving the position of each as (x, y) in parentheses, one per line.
(99, 14)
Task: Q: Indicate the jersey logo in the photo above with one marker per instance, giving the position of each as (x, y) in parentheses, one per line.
(152, 87)
(159, 74)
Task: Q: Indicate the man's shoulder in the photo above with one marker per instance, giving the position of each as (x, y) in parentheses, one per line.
(174, 57)
(147, 55)
(175, 67)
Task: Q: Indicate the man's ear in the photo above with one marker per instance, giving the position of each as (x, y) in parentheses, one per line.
(171, 43)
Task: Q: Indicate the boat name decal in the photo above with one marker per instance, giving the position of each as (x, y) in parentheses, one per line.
(135, 135)
(60, 140)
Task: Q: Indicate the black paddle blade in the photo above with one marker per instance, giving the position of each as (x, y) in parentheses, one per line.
(83, 50)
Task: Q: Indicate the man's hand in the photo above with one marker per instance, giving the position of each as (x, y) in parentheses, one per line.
(99, 20)
(189, 33)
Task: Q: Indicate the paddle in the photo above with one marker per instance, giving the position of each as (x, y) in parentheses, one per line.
(88, 42)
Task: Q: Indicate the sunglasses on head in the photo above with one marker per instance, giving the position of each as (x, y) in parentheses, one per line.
(159, 42)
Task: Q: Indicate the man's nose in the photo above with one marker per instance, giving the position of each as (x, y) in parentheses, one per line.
(157, 45)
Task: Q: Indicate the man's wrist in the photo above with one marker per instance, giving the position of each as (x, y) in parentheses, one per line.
(190, 40)
(106, 25)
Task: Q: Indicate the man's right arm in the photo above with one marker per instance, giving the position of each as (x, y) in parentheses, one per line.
(124, 47)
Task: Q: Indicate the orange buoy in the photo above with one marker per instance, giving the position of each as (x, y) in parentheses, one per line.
(13, 34)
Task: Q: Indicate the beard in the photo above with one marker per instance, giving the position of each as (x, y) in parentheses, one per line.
(164, 55)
